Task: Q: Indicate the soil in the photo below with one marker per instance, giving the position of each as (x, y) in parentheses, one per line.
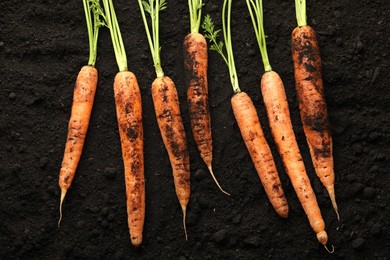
(43, 45)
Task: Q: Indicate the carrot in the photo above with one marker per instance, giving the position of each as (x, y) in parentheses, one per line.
(311, 97)
(195, 69)
(129, 116)
(166, 105)
(247, 118)
(275, 101)
(252, 133)
(83, 98)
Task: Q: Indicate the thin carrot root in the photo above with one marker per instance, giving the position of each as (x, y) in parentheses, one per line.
(184, 209)
(332, 197)
(63, 193)
(329, 251)
(215, 180)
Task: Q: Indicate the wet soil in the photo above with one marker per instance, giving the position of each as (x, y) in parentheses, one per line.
(43, 45)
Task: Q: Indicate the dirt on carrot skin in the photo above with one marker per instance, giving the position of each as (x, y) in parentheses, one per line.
(41, 60)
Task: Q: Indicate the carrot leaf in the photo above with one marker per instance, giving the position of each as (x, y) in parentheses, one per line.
(212, 35)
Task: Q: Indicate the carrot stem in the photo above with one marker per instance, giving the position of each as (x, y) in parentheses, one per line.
(300, 11)
(212, 35)
(93, 26)
(153, 7)
(116, 37)
(195, 7)
(255, 8)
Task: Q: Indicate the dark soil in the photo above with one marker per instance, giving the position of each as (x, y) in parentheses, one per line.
(43, 45)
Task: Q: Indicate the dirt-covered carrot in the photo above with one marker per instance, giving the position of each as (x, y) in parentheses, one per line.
(166, 105)
(275, 101)
(195, 69)
(129, 116)
(312, 105)
(83, 98)
(247, 118)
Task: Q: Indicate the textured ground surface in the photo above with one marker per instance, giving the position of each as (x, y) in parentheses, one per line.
(43, 44)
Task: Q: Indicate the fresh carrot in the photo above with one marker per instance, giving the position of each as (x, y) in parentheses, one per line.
(129, 116)
(275, 101)
(195, 69)
(166, 105)
(83, 98)
(311, 97)
(247, 118)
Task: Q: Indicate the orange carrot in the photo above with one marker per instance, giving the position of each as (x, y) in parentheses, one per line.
(195, 64)
(129, 116)
(83, 98)
(312, 104)
(275, 101)
(195, 69)
(166, 106)
(278, 113)
(247, 118)
(252, 133)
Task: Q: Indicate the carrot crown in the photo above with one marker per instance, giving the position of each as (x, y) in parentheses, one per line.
(153, 7)
(195, 7)
(300, 10)
(256, 12)
(116, 37)
(212, 35)
(94, 22)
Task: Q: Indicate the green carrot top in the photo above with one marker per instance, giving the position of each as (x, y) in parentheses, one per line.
(195, 7)
(153, 7)
(300, 10)
(116, 37)
(212, 35)
(256, 12)
(94, 22)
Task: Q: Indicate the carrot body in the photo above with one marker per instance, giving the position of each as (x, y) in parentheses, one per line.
(83, 97)
(129, 116)
(276, 104)
(252, 133)
(195, 64)
(312, 105)
(166, 105)
(195, 70)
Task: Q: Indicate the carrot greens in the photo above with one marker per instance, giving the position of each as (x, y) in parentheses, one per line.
(256, 12)
(153, 7)
(116, 37)
(212, 35)
(195, 7)
(300, 10)
(94, 22)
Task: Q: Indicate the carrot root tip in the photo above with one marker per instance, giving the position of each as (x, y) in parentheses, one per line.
(184, 209)
(332, 196)
(63, 193)
(334, 204)
(215, 180)
(329, 251)
(136, 241)
(322, 237)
